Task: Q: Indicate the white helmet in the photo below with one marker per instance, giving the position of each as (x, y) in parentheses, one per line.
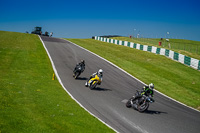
(100, 72)
(151, 86)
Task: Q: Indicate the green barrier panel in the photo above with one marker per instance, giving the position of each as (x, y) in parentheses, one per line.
(187, 60)
(135, 45)
(167, 52)
(141, 47)
(123, 43)
(129, 44)
(176, 56)
(199, 66)
(114, 41)
(158, 51)
(109, 40)
(149, 48)
(118, 42)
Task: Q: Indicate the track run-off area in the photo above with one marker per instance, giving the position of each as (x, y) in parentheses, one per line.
(107, 101)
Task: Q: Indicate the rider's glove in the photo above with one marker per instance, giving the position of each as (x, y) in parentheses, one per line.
(152, 100)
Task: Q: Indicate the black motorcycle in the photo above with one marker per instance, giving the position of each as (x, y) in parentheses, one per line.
(139, 102)
(77, 71)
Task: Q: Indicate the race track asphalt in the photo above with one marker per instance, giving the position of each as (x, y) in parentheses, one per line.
(107, 102)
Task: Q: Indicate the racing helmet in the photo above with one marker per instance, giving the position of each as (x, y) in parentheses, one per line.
(151, 86)
(82, 61)
(100, 72)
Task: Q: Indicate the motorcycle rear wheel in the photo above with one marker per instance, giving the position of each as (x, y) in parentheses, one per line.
(143, 107)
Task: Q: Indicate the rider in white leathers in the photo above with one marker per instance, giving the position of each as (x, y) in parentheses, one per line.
(100, 75)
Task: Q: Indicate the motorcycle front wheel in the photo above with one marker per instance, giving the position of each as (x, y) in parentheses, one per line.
(128, 104)
(93, 85)
(76, 75)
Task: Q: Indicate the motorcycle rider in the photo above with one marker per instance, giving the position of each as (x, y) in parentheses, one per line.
(147, 91)
(99, 74)
(82, 64)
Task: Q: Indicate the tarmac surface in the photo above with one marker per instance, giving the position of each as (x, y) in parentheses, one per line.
(107, 102)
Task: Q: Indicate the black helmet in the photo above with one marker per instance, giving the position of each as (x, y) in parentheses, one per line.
(82, 61)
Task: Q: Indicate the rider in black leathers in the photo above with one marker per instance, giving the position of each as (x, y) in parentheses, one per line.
(147, 91)
(82, 64)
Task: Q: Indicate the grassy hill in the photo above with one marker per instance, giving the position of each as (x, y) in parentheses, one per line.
(171, 78)
(30, 101)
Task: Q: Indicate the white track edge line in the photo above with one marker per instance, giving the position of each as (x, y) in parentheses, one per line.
(133, 76)
(56, 73)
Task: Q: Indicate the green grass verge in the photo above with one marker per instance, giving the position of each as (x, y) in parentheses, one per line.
(185, 47)
(30, 101)
(171, 78)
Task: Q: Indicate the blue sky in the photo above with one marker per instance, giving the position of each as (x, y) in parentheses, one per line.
(84, 19)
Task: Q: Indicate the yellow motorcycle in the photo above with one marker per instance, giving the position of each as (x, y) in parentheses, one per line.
(93, 82)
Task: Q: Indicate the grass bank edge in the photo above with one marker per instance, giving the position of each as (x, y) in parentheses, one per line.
(30, 100)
